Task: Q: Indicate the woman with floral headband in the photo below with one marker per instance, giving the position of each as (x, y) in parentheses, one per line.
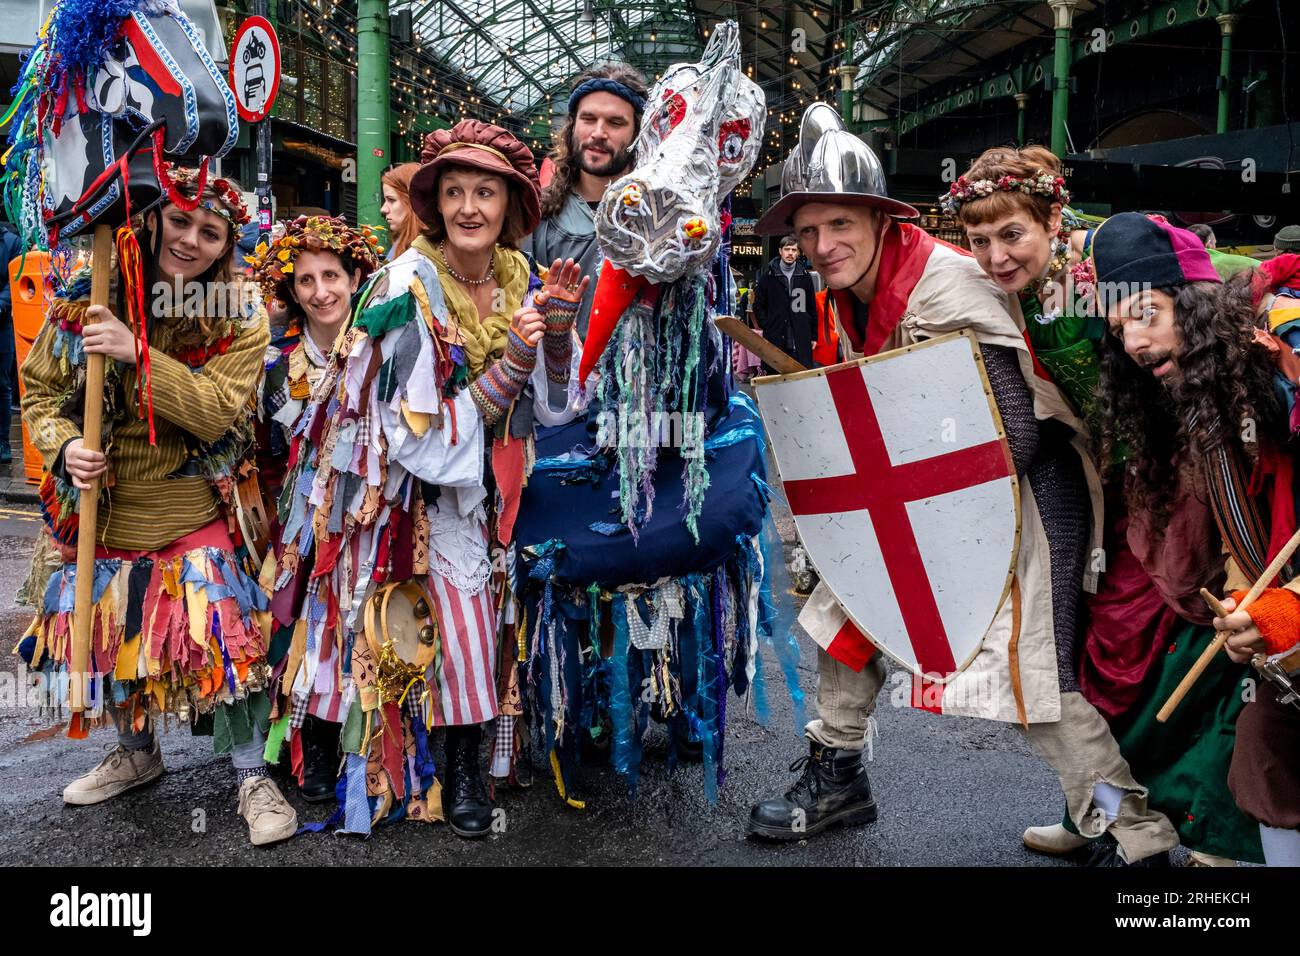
(177, 618)
(394, 500)
(311, 269)
(1138, 630)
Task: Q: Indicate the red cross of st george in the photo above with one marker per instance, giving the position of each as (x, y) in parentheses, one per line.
(883, 489)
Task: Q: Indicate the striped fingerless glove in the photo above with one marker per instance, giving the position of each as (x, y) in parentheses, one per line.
(557, 343)
(500, 384)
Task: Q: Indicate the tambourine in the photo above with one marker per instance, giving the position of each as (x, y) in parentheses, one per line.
(251, 513)
(402, 633)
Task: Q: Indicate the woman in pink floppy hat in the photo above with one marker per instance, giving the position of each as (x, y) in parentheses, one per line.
(405, 473)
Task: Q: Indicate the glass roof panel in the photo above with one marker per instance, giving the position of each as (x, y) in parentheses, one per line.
(486, 38)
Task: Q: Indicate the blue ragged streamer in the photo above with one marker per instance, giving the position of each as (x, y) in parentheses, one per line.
(776, 623)
(627, 755)
(356, 807)
(719, 658)
(698, 599)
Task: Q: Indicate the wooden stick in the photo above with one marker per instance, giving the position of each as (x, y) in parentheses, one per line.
(782, 361)
(1215, 604)
(1219, 641)
(88, 505)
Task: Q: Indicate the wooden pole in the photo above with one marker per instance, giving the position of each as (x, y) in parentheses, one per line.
(88, 505)
(1216, 645)
(776, 358)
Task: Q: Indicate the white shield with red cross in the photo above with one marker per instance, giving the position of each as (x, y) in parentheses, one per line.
(901, 484)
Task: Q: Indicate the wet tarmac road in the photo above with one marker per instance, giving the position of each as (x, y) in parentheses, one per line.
(951, 791)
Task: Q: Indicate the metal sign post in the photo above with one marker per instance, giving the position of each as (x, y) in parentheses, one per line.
(255, 80)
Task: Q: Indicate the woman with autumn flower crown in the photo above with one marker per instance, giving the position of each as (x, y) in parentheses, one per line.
(178, 623)
(311, 269)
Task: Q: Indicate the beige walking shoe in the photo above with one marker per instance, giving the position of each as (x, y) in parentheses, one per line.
(120, 771)
(1054, 839)
(268, 815)
(1197, 858)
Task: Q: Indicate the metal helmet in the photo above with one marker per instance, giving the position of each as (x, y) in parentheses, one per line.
(829, 164)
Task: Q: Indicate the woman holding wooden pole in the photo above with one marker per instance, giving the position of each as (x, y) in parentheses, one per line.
(172, 626)
(1199, 382)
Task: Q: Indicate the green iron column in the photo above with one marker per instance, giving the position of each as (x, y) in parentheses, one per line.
(373, 92)
(1063, 15)
(847, 73)
(1226, 21)
(1022, 100)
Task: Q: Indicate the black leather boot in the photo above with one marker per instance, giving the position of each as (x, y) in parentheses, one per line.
(832, 788)
(1104, 852)
(688, 751)
(464, 798)
(320, 759)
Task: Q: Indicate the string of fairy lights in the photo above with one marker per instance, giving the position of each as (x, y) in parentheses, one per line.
(421, 84)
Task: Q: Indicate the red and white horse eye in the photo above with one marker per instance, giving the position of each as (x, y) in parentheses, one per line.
(731, 140)
(670, 114)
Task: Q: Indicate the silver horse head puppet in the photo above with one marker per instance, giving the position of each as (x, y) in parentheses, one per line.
(702, 132)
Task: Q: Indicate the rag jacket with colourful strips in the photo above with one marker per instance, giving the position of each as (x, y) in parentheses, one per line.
(203, 387)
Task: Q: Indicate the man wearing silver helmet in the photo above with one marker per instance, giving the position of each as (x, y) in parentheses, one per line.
(894, 285)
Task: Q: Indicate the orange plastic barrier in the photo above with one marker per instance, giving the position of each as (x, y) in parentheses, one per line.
(27, 288)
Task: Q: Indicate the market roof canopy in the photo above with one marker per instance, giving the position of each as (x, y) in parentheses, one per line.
(908, 46)
(519, 52)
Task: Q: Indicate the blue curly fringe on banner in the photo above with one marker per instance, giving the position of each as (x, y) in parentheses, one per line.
(81, 30)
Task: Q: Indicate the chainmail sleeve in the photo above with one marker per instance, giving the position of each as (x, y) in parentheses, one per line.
(1015, 403)
(1043, 454)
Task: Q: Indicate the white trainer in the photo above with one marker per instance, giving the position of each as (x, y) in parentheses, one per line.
(1054, 839)
(120, 771)
(268, 815)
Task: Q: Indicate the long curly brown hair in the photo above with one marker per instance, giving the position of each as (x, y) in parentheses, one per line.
(564, 155)
(1225, 384)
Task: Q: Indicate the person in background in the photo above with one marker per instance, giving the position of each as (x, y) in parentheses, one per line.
(10, 248)
(743, 362)
(1287, 240)
(1205, 234)
(403, 224)
(783, 304)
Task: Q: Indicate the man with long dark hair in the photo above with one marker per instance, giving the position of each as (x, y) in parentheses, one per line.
(1198, 384)
(592, 147)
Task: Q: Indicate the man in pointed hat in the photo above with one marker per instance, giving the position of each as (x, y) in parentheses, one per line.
(894, 285)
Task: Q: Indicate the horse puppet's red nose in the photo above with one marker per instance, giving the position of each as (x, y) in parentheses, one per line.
(615, 290)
